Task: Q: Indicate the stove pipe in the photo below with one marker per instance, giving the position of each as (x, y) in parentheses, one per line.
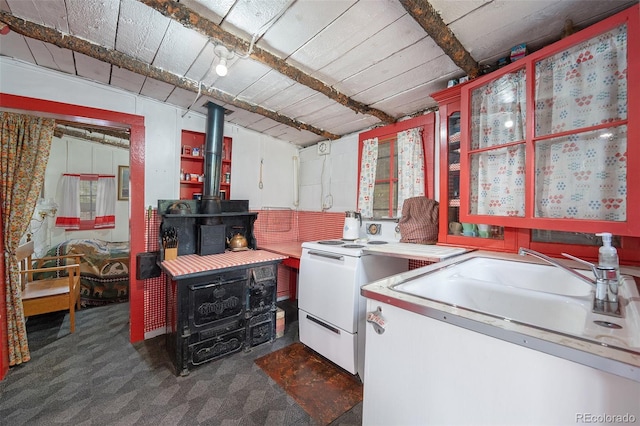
(212, 159)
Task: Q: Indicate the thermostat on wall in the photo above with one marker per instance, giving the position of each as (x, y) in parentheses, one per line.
(324, 148)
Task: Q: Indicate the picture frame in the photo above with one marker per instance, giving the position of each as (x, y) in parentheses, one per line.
(123, 183)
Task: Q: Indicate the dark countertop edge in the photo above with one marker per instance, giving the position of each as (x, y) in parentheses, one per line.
(218, 270)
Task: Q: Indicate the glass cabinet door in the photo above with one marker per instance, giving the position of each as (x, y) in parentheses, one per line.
(581, 132)
(497, 146)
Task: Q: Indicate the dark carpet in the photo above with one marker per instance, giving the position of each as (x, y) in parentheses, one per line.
(97, 377)
(324, 390)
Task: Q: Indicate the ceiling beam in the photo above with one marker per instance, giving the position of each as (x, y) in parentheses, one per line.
(432, 23)
(113, 57)
(60, 131)
(195, 21)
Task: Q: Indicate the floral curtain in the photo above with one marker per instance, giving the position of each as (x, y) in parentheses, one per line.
(26, 143)
(106, 202)
(497, 181)
(69, 212)
(583, 175)
(410, 165)
(367, 176)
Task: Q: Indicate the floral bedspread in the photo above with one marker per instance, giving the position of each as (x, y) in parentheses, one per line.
(104, 269)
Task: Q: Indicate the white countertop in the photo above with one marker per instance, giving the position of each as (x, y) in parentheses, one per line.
(623, 362)
(431, 253)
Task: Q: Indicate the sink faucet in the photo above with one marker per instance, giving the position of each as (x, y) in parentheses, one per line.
(524, 251)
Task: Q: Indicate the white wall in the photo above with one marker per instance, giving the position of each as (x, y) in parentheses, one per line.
(329, 182)
(163, 125)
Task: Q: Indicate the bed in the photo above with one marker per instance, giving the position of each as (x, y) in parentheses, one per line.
(104, 270)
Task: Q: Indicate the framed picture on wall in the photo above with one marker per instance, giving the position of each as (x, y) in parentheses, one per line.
(123, 183)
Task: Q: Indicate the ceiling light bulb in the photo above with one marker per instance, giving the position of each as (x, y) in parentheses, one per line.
(221, 68)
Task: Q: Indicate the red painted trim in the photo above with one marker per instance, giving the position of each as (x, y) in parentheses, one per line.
(631, 227)
(108, 118)
(427, 122)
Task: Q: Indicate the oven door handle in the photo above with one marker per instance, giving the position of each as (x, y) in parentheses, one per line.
(328, 255)
(323, 324)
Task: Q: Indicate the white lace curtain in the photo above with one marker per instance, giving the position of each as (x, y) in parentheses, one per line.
(106, 202)
(410, 165)
(69, 193)
(69, 212)
(367, 184)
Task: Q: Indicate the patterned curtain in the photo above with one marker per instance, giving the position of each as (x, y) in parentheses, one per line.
(410, 165)
(583, 175)
(69, 193)
(497, 183)
(26, 143)
(106, 202)
(368, 176)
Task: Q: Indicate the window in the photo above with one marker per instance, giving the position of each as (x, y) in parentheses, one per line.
(87, 194)
(381, 190)
(88, 202)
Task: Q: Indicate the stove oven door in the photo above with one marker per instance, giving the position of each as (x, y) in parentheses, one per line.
(328, 300)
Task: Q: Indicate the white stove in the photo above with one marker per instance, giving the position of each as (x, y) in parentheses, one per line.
(331, 309)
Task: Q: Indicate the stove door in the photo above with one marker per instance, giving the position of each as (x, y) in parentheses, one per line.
(329, 288)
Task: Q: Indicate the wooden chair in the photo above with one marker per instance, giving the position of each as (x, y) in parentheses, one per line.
(45, 295)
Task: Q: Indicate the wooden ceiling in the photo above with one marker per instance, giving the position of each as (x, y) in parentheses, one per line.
(302, 70)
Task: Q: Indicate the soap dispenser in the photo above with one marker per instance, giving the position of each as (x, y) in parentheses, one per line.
(608, 258)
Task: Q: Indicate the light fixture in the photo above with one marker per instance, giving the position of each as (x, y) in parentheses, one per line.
(46, 208)
(225, 55)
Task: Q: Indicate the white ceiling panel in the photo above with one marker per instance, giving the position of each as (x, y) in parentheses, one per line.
(127, 80)
(95, 20)
(450, 10)
(50, 56)
(263, 125)
(307, 106)
(213, 10)
(397, 64)
(51, 13)
(251, 16)
(179, 49)
(15, 46)
(156, 89)
(242, 74)
(440, 70)
(243, 118)
(364, 122)
(401, 34)
(304, 20)
(140, 41)
(289, 96)
(183, 98)
(267, 86)
(357, 24)
(92, 68)
(415, 99)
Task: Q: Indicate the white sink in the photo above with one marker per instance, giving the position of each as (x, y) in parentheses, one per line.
(542, 296)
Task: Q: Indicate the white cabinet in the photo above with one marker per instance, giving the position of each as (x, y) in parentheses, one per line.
(423, 371)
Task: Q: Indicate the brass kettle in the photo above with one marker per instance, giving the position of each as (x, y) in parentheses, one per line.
(237, 242)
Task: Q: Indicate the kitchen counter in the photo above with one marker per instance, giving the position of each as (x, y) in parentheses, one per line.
(192, 265)
(618, 361)
(293, 251)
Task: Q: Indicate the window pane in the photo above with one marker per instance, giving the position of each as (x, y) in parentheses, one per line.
(583, 176)
(381, 200)
(578, 238)
(384, 161)
(497, 183)
(499, 111)
(88, 189)
(583, 86)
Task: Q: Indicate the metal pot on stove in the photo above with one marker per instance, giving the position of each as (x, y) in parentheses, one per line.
(237, 242)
